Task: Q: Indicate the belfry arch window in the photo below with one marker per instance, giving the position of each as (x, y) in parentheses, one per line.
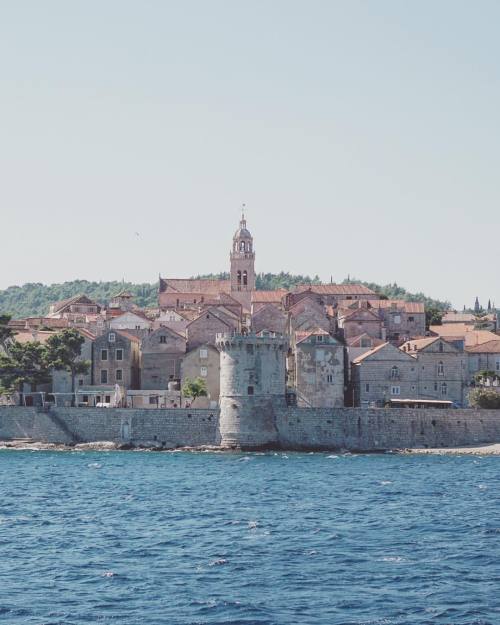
(238, 277)
(242, 246)
(245, 278)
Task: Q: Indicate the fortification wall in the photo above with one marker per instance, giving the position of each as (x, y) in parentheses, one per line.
(293, 428)
(379, 429)
(173, 428)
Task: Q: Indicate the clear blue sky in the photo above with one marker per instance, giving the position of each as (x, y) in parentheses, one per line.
(363, 137)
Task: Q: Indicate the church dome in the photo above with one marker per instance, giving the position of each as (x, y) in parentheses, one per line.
(242, 232)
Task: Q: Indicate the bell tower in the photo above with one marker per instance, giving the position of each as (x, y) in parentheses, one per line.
(242, 264)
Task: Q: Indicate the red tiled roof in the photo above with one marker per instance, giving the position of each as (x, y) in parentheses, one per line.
(265, 297)
(335, 289)
(192, 285)
(369, 353)
(490, 347)
(128, 335)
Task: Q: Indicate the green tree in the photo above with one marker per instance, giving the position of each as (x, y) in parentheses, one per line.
(25, 363)
(433, 316)
(194, 388)
(484, 398)
(64, 351)
(6, 333)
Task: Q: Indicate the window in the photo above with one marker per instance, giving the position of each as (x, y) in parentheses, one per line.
(440, 368)
(395, 390)
(329, 378)
(104, 376)
(397, 319)
(394, 373)
(411, 319)
(80, 382)
(245, 278)
(119, 375)
(119, 354)
(497, 365)
(435, 386)
(203, 354)
(112, 337)
(440, 347)
(367, 388)
(137, 327)
(163, 339)
(320, 338)
(250, 390)
(107, 399)
(203, 372)
(104, 354)
(238, 277)
(153, 399)
(444, 389)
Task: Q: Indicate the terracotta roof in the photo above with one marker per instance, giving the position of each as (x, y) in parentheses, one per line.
(265, 297)
(352, 312)
(418, 344)
(408, 307)
(335, 289)
(369, 353)
(356, 339)
(192, 285)
(456, 317)
(490, 347)
(301, 336)
(72, 300)
(28, 336)
(128, 335)
(87, 334)
(214, 312)
(461, 331)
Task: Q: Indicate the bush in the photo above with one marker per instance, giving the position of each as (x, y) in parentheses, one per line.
(484, 398)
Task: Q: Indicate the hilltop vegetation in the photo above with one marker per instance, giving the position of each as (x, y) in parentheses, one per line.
(34, 299)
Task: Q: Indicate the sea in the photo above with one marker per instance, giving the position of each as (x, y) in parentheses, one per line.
(149, 538)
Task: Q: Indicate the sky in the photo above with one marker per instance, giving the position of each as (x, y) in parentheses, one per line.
(363, 137)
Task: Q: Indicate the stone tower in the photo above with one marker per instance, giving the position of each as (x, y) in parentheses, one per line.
(242, 265)
(252, 389)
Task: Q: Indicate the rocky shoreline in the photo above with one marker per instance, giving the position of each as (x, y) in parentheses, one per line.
(31, 445)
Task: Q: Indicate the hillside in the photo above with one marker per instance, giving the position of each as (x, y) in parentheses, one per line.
(34, 298)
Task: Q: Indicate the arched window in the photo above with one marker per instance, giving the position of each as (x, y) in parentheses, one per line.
(394, 373)
(236, 246)
(444, 389)
(440, 368)
(238, 277)
(242, 246)
(245, 278)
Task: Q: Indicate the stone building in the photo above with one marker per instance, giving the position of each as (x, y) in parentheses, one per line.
(130, 320)
(162, 353)
(329, 294)
(353, 322)
(61, 380)
(483, 357)
(205, 327)
(308, 314)
(203, 362)
(442, 370)
(386, 372)
(269, 317)
(252, 391)
(117, 360)
(317, 369)
(77, 306)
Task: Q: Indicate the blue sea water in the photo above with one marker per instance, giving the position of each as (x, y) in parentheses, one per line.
(137, 538)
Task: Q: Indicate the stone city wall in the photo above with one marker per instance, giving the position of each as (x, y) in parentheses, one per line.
(171, 428)
(295, 428)
(366, 429)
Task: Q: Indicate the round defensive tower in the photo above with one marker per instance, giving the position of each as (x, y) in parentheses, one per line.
(252, 389)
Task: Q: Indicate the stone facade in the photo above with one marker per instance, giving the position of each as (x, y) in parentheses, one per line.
(162, 354)
(269, 317)
(205, 328)
(382, 374)
(442, 369)
(203, 362)
(252, 388)
(117, 360)
(355, 429)
(319, 370)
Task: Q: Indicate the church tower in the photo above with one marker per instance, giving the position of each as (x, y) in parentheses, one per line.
(242, 265)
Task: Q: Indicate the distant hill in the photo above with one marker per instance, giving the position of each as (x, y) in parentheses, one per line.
(34, 299)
